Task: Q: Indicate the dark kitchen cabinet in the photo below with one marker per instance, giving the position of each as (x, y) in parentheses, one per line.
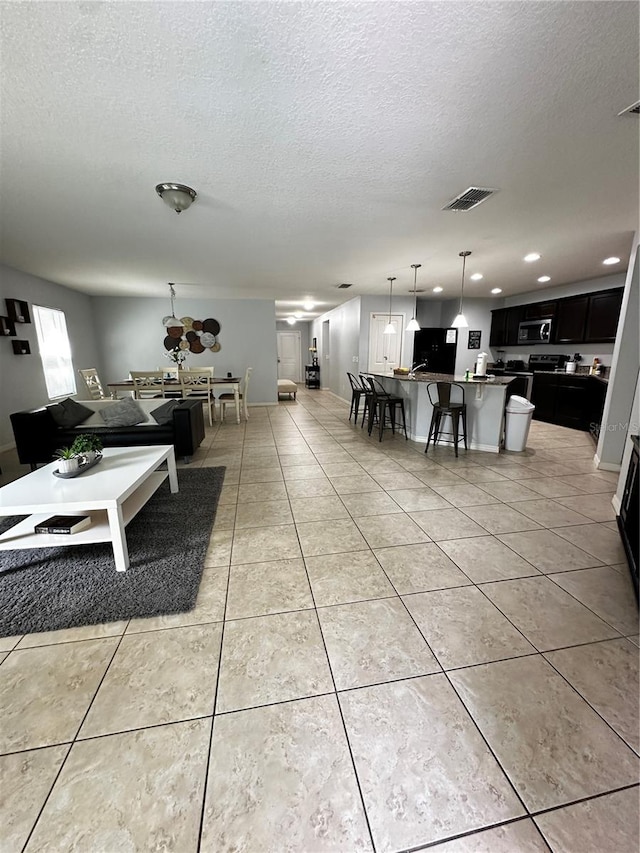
(540, 310)
(560, 398)
(504, 326)
(571, 318)
(596, 394)
(602, 318)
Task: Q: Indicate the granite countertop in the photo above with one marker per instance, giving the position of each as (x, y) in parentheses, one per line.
(499, 381)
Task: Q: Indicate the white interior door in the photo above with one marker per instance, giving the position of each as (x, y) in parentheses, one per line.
(385, 351)
(289, 356)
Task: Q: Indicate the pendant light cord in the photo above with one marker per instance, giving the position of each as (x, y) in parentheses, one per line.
(416, 267)
(464, 256)
(390, 280)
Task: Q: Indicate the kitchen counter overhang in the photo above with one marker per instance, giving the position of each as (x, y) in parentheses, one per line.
(485, 399)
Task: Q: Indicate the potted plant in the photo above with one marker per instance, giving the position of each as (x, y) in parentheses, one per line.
(88, 445)
(68, 461)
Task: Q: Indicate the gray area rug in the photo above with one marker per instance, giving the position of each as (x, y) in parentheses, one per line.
(51, 588)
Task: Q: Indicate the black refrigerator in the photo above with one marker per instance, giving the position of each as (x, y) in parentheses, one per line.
(430, 347)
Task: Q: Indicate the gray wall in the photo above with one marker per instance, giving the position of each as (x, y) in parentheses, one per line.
(131, 337)
(344, 346)
(22, 384)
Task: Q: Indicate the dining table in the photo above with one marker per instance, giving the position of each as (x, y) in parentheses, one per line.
(172, 389)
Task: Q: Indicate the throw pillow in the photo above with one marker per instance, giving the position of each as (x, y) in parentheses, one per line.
(69, 413)
(163, 415)
(123, 413)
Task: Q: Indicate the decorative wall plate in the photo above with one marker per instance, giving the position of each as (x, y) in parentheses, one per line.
(211, 325)
(216, 347)
(207, 339)
(187, 322)
(184, 345)
(197, 325)
(175, 332)
(196, 346)
(169, 343)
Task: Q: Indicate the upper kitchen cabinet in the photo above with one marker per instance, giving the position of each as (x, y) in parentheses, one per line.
(540, 310)
(571, 319)
(504, 326)
(602, 316)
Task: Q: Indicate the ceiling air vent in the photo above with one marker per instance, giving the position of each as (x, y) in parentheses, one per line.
(343, 286)
(469, 198)
(634, 108)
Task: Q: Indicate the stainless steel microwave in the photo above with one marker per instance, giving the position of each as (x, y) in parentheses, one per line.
(534, 332)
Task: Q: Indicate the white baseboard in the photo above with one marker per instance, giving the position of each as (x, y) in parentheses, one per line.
(5, 447)
(606, 466)
(615, 503)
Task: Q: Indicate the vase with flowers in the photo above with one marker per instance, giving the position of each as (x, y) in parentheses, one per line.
(177, 356)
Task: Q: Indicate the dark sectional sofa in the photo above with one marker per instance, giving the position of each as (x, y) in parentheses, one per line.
(38, 436)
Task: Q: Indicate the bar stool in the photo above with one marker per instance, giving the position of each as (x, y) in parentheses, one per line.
(443, 406)
(381, 404)
(357, 391)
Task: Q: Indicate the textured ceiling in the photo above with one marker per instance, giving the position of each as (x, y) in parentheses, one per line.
(323, 140)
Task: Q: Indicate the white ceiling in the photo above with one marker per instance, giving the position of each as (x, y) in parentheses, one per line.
(323, 139)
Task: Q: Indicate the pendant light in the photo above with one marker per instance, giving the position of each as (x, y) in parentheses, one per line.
(171, 321)
(413, 325)
(390, 329)
(460, 321)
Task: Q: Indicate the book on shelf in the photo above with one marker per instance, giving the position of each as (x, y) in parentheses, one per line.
(63, 524)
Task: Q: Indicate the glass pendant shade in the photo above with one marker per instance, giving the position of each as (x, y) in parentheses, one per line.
(413, 325)
(389, 329)
(460, 322)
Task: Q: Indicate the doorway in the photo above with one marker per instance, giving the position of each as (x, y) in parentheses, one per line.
(289, 356)
(385, 351)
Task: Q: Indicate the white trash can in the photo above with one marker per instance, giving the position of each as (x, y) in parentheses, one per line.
(518, 420)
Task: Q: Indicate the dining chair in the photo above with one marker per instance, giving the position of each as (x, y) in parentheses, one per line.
(147, 384)
(198, 383)
(94, 384)
(227, 399)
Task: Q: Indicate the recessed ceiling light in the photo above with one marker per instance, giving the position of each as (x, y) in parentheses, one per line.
(437, 290)
(544, 278)
(610, 261)
(476, 276)
(291, 321)
(496, 290)
(532, 256)
(308, 306)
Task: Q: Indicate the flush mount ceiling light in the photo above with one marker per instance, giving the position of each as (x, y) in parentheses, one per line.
(437, 290)
(171, 321)
(460, 321)
(496, 290)
(291, 321)
(390, 329)
(413, 325)
(308, 305)
(178, 196)
(544, 279)
(476, 276)
(610, 261)
(531, 257)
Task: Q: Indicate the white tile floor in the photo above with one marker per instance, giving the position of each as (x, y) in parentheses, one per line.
(389, 651)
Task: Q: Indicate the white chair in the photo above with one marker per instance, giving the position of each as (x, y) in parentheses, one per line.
(147, 384)
(199, 383)
(93, 383)
(230, 399)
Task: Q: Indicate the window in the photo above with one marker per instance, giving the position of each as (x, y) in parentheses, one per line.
(55, 351)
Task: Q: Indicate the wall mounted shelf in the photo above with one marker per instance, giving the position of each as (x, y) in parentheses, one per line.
(7, 327)
(18, 310)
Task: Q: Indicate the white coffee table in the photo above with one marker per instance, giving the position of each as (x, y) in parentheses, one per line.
(112, 493)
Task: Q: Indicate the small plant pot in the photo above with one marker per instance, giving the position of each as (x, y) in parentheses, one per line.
(66, 466)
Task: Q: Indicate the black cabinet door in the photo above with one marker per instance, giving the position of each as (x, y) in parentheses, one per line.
(602, 318)
(571, 319)
(540, 310)
(513, 320)
(571, 398)
(596, 394)
(498, 322)
(543, 396)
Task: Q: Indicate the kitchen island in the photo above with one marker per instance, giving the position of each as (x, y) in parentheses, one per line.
(485, 399)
